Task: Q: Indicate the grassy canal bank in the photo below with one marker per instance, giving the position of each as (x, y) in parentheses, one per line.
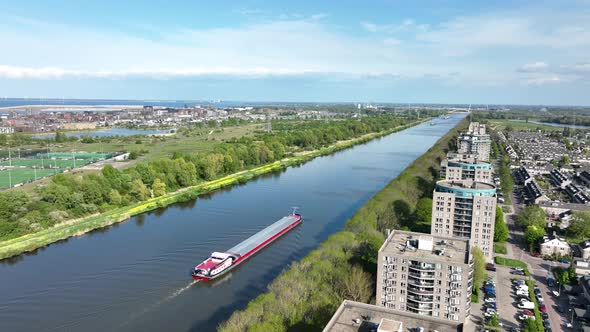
(305, 296)
(77, 227)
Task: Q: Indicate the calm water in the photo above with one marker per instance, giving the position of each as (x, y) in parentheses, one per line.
(109, 132)
(135, 276)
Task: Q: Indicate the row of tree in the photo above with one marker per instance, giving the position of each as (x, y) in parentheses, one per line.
(71, 196)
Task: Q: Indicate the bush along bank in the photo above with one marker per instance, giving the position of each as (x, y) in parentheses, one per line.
(114, 215)
(305, 296)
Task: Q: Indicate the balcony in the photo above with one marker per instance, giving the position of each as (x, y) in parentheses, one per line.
(421, 267)
(420, 307)
(419, 283)
(417, 298)
(422, 275)
(421, 291)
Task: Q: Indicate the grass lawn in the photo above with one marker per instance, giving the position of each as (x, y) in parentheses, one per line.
(512, 263)
(500, 248)
(521, 125)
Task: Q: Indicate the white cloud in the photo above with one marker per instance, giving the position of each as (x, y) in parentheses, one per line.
(545, 80)
(12, 72)
(534, 66)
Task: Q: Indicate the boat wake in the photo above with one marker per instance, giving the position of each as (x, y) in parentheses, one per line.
(168, 298)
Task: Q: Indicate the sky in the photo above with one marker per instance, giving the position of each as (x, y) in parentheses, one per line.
(440, 51)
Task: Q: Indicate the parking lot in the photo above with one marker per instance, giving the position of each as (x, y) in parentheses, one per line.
(506, 299)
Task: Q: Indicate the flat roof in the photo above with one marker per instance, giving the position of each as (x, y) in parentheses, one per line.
(369, 317)
(436, 249)
(466, 185)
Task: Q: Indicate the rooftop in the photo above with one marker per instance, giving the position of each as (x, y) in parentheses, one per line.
(426, 247)
(466, 185)
(354, 316)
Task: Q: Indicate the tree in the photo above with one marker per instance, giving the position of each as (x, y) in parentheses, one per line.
(479, 268)
(133, 155)
(532, 215)
(423, 210)
(159, 187)
(500, 227)
(60, 137)
(138, 190)
(580, 225)
(356, 285)
(532, 234)
(563, 161)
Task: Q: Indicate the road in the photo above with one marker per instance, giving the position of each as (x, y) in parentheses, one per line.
(518, 249)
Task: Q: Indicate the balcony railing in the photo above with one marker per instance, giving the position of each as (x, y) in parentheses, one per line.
(421, 267)
(426, 299)
(422, 275)
(417, 290)
(420, 307)
(420, 283)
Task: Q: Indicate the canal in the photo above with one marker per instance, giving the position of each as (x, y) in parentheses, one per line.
(134, 276)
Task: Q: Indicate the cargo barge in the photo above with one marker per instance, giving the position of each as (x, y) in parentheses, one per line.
(222, 262)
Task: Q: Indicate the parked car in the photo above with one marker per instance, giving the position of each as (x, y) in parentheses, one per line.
(490, 267)
(542, 308)
(490, 299)
(537, 254)
(489, 289)
(528, 312)
(526, 305)
(544, 315)
(523, 317)
(519, 273)
(491, 305)
(564, 261)
(556, 293)
(522, 292)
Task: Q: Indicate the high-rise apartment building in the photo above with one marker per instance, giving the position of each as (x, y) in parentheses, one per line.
(425, 275)
(466, 169)
(475, 141)
(466, 210)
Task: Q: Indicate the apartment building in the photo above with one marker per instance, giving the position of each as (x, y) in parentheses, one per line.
(466, 169)
(465, 210)
(425, 275)
(477, 128)
(475, 141)
(354, 316)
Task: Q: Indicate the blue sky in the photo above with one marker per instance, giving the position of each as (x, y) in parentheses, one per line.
(496, 52)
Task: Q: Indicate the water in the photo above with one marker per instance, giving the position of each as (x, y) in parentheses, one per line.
(109, 132)
(134, 276)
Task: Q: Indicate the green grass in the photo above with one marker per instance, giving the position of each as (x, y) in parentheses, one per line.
(22, 175)
(538, 320)
(44, 237)
(304, 297)
(512, 263)
(500, 248)
(47, 163)
(521, 125)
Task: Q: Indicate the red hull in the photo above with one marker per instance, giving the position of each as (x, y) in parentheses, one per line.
(256, 249)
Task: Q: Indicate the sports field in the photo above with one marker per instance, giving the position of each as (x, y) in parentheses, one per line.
(47, 163)
(22, 175)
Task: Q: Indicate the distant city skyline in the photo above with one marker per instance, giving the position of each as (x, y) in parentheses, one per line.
(452, 52)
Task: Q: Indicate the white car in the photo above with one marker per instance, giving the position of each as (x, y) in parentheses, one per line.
(523, 317)
(490, 299)
(522, 293)
(556, 293)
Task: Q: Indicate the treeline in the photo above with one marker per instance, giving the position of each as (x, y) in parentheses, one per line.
(72, 196)
(304, 297)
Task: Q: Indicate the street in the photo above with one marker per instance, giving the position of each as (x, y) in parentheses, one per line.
(517, 249)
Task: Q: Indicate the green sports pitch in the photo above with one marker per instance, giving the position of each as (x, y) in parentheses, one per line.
(23, 175)
(47, 163)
